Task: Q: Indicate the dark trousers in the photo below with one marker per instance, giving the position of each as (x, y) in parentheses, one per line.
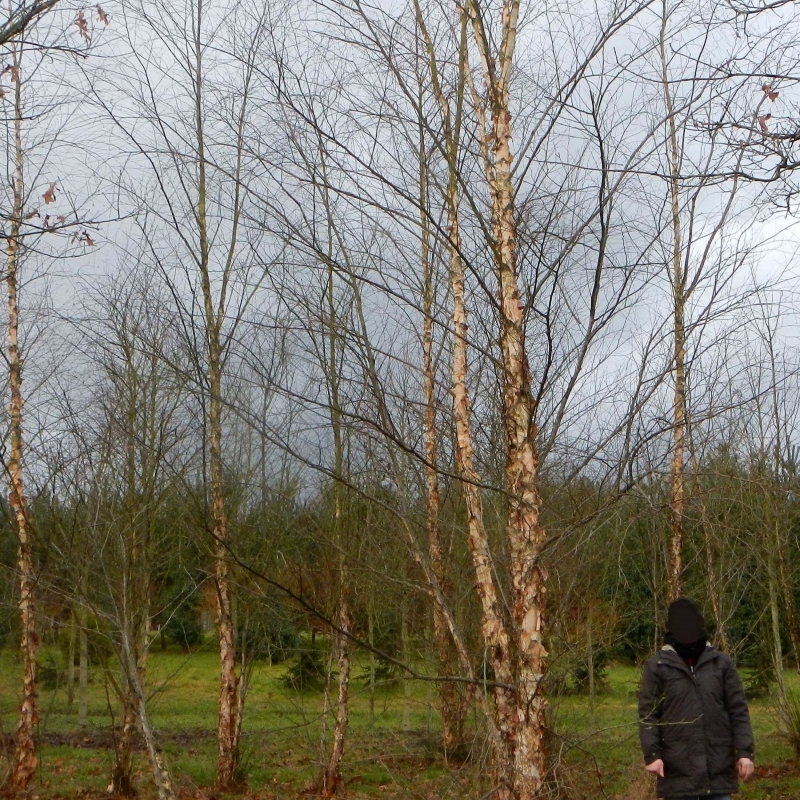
(703, 797)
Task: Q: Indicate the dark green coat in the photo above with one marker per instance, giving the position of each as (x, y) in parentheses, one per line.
(696, 721)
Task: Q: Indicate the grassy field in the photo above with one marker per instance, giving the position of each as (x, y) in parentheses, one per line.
(595, 756)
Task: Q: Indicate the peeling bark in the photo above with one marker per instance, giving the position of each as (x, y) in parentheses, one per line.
(25, 760)
(523, 724)
(228, 724)
(332, 776)
(452, 709)
(493, 628)
(161, 774)
(677, 505)
(122, 770)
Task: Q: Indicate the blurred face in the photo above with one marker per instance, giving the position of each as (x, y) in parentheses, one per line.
(684, 621)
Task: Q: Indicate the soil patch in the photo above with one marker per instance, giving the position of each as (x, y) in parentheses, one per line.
(105, 738)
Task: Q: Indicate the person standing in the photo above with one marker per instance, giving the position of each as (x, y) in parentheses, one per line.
(694, 724)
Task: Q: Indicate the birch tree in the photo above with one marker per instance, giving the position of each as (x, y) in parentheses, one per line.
(141, 444)
(521, 714)
(193, 147)
(25, 759)
(30, 146)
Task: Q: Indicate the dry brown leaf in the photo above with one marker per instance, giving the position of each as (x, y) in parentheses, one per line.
(34, 212)
(50, 195)
(83, 26)
(767, 89)
(102, 15)
(762, 122)
(10, 68)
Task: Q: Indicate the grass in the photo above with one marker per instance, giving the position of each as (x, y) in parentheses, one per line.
(281, 747)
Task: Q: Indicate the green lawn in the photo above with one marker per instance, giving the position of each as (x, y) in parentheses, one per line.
(281, 746)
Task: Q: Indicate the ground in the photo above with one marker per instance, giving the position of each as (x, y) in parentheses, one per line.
(281, 743)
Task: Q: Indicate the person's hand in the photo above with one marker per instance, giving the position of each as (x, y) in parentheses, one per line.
(745, 768)
(657, 767)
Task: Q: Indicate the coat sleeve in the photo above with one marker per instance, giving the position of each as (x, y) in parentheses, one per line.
(650, 702)
(738, 714)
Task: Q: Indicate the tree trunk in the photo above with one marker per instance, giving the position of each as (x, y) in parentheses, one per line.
(713, 592)
(590, 669)
(326, 710)
(83, 670)
(493, 627)
(721, 635)
(372, 664)
(506, 738)
(228, 724)
(161, 775)
(777, 650)
(451, 708)
(122, 770)
(677, 504)
(525, 734)
(73, 631)
(406, 647)
(25, 761)
(332, 776)
(788, 603)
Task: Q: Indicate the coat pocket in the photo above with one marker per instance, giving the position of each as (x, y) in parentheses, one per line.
(676, 759)
(721, 756)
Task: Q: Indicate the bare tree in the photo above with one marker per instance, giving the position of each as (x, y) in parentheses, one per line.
(198, 203)
(25, 752)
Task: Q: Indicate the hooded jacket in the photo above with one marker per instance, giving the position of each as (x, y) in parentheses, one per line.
(695, 719)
